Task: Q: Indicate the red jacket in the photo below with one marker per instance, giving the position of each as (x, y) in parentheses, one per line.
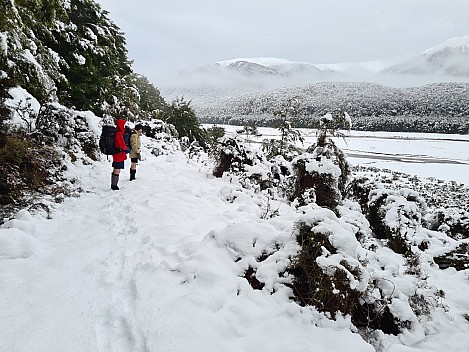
(119, 141)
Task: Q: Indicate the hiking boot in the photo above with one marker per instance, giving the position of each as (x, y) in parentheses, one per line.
(114, 181)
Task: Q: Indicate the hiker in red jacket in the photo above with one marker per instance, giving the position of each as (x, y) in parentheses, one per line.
(118, 159)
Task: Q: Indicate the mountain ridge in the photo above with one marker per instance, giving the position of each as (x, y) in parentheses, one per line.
(445, 62)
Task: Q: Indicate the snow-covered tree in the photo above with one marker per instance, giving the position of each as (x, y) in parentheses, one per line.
(286, 145)
(321, 173)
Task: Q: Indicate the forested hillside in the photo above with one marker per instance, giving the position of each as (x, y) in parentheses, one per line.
(439, 107)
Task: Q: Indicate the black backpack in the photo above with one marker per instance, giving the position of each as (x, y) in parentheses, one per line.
(106, 141)
(127, 134)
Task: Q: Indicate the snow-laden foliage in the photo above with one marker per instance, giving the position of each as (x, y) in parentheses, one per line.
(403, 218)
(321, 173)
(35, 163)
(71, 52)
(436, 192)
(397, 217)
(163, 137)
(452, 221)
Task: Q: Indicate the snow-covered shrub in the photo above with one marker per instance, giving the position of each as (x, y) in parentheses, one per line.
(285, 119)
(447, 226)
(194, 150)
(159, 129)
(282, 176)
(25, 168)
(382, 291)
(457, 258)
(335, 274)
(435, 192)
(316, 181)
(251, 167)
(233, 156)
(330, 151)
(61, 127)
(275, 147)
(163, 137)
(214, 134)
(397, 217)
(35, 150)
(324, 278)
(351, 212)
(359, 189)
(181, 115)
(452, 221)
(323, 169)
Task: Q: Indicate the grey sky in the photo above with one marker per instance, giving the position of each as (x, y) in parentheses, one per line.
(166, 35)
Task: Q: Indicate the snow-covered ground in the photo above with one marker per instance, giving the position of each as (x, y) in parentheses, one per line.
(153, 267)
(426, 155)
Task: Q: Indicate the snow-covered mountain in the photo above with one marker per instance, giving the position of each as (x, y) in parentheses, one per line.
(270, 66)
(449, 58)
(446, 62)
(237, 76)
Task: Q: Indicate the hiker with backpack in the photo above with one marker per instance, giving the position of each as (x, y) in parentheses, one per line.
(118, 159)
(135, 145)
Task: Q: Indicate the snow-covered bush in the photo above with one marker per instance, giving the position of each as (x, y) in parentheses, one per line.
(274, 147)
(282, 176)
(336, 274)
(397, 217)
(382, 291)
(26, 169)
(251, 168)
(286, 145)
(59, 126)
(163, 137)
(457, 258)
(34, 153)
(328, 272)
(316, 181)
(452, 221)
(323, 170)
(233, 156)
(159, 129)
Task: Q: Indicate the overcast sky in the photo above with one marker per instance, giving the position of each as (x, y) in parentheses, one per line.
(167, 35)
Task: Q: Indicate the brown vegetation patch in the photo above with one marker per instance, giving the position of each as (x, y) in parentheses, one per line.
(250, 275)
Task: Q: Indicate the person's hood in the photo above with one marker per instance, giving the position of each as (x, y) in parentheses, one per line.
(121, 125)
